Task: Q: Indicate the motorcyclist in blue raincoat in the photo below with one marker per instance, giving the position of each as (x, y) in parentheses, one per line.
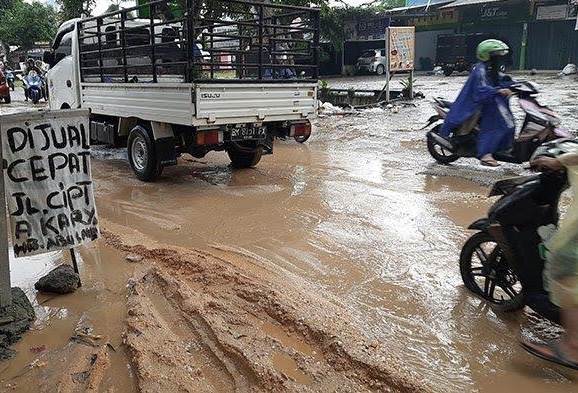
(486, 93)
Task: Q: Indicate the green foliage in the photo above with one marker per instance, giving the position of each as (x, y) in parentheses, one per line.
(407, 83)
(25, 24)
(70, 9)
(335, 21)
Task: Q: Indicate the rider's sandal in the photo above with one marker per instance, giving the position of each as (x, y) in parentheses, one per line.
(557, 355)
(489, 162)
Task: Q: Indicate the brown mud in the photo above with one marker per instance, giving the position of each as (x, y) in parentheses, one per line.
(331, 266)
(222, 322)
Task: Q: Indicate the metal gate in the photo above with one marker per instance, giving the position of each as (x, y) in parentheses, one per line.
(511, 34)
(551, 45)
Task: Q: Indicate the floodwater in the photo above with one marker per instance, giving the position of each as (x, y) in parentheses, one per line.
(362, 211)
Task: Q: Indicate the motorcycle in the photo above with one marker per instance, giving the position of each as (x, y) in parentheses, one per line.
(10, 78)
(540, 125)
(503, 262)
(33, 84)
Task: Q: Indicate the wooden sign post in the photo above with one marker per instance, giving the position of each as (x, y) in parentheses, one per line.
(5, 290)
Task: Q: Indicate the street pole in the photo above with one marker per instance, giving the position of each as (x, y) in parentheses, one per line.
(523, 47)
(5, 291)
(387, 65)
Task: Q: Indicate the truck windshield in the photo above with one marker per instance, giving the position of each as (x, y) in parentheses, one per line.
(61, 33)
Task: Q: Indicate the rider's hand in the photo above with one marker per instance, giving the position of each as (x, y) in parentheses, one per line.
(506, 92)
(548, 163)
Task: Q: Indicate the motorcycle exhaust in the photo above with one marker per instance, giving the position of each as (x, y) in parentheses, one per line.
(440, 140)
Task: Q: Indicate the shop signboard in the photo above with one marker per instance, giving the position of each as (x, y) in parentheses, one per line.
(497, 12)
(558, 11)
(401, 47)
(370, 29)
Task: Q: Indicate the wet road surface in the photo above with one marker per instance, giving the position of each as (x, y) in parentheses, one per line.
(362, 211)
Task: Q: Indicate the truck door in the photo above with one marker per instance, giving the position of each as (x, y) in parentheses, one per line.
(62, 81)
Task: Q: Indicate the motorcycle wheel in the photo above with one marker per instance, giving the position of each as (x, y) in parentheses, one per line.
(438, 152)
(486, 272)
(302, 138)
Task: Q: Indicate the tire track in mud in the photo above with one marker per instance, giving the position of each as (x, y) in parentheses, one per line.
(159, 299)
(247, 326)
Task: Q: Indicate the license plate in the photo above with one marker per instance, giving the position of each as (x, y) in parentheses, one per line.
(244, 133)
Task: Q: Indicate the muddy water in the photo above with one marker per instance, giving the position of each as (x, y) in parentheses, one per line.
(94, 305)
(362, 211)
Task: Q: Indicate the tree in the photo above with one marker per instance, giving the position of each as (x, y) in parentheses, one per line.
(336, 20)
(25, 24)
(70, 9)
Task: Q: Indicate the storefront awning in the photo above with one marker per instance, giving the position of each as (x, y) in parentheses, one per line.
(461, 3)
(417, 7)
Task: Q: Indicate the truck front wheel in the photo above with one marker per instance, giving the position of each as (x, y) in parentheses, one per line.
(141, 154)
(244, 156)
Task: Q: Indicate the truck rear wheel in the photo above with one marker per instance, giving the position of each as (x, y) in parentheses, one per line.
(244, 156)
(141, 154)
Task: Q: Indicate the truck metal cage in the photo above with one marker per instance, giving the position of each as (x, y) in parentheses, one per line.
(188, 41)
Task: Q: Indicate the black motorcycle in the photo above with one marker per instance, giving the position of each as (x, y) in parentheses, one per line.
(541, 124)
(504, 260)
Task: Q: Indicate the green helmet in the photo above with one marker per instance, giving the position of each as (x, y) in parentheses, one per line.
(490, 47)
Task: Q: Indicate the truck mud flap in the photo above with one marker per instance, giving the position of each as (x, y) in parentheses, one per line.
(268, 145)
(166, 151)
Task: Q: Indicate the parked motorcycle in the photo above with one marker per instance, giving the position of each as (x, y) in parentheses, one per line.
(10, 78)
(4, 88)
(540, 125)
(34, 85)
(503, 262)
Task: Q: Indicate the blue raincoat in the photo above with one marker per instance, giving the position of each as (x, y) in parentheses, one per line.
(497, 125)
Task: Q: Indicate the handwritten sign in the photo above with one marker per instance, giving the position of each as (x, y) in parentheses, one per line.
(48, 183)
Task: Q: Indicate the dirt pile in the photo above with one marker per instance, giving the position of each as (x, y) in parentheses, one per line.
(223, 322)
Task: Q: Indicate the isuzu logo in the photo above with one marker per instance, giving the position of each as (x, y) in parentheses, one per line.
(210, 95)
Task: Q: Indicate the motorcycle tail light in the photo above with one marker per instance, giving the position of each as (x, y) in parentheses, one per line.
(209, 138)
(301, 129)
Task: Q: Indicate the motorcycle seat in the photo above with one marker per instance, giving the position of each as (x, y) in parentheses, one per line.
(443, 102)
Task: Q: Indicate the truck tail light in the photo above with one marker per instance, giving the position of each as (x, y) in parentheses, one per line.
(301, 129)
(209, 137)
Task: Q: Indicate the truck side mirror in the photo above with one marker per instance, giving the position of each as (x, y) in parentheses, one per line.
(48, 57)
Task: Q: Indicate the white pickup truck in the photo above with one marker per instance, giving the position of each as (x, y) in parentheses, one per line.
(164, 80)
